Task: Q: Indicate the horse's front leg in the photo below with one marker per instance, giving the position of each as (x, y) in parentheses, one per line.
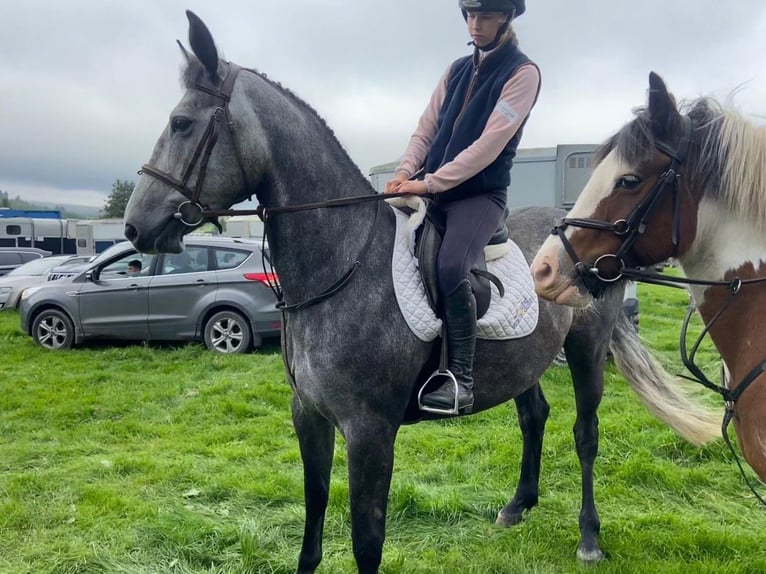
(587, 367)
(370, 439)
(533, 411)
(316, 438)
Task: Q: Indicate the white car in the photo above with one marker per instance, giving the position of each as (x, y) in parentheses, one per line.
(30, 273)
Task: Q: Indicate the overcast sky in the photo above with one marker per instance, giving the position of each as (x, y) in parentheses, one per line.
(86, 85)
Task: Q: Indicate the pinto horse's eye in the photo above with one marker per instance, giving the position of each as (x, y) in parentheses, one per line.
(180, 124)
(628, 182)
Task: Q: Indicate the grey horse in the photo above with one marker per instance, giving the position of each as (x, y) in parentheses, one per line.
(351, 359)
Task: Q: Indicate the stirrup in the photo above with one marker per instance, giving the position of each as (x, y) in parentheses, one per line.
(455, 411)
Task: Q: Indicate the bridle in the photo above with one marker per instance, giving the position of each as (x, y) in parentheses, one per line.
(630, 229)
(596, 279)
(192, 212)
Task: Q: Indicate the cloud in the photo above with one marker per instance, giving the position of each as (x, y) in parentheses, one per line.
(87, 84)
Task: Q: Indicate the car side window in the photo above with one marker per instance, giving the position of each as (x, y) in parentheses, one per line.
(229, 258)
(10, 259)
(193, 259)
(28, 256)
(129, 265)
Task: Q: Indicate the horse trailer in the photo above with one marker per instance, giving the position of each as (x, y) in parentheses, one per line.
(61, 236)
(541, 177)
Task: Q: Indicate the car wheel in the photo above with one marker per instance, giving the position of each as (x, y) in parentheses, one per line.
(228, 332)
(53, 329)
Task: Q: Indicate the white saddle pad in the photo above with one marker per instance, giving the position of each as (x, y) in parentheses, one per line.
(509, 317)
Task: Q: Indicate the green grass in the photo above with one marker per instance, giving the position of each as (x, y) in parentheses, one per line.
(156, 459)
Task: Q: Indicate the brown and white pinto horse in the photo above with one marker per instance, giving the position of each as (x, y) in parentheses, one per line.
(689, 184)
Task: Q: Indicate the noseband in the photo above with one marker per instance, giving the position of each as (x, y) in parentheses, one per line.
(192, 212)
(611, 267)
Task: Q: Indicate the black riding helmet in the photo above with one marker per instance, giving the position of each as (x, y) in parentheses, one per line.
(515, 7)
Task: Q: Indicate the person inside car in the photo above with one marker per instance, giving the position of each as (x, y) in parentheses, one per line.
(134, 267)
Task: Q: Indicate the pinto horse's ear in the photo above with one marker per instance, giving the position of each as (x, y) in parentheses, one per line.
(663, 115)
(203, 46)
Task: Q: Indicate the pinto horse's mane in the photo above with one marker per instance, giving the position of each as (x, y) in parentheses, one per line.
(727, 155)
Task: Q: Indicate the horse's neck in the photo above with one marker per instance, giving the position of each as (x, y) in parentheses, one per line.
(314, 249)
(727, 247)
(307, 164)
(724, 242)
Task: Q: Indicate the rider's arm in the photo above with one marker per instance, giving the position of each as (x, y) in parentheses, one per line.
(420, 141)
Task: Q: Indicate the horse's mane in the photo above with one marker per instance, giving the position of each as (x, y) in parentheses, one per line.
(194, 73)
(727, 156)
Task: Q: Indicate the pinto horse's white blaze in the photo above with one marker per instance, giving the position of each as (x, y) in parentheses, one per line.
(725, 242)
(552, 268)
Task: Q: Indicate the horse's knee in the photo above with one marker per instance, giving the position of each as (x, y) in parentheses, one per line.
(586, 438)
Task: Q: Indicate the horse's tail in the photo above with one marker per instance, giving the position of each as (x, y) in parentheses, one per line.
(659, 390)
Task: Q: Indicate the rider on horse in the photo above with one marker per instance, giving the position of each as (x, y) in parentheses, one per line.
(464, 145)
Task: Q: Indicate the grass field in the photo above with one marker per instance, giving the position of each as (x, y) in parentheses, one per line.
(156, 459)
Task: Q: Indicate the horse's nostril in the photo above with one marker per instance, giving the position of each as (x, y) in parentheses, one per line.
(130, 232)
(543, 271)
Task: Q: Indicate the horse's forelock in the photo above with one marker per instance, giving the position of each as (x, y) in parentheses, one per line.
(634, 143)
(193, 74)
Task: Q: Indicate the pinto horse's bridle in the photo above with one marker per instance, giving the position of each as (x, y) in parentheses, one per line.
(192, 212)
(597, 276)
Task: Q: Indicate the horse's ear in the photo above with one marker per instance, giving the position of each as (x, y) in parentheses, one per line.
(663, 114)
(203, 46)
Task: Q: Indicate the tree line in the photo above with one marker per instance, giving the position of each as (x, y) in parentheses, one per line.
(114, 205)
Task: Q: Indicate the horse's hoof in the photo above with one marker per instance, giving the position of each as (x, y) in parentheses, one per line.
(507, 519)
(589, 556)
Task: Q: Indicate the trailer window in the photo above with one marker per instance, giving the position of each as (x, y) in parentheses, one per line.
(579, 167)
(13, 229)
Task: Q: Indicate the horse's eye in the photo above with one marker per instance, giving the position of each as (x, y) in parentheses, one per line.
(628, 182)
(180, 124)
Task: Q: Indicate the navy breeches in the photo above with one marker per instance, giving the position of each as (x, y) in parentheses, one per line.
(469, 224)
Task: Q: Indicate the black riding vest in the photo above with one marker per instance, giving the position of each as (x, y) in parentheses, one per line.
(473, 91)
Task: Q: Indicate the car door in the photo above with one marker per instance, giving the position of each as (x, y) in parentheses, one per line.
(181, 288)
(114, 303)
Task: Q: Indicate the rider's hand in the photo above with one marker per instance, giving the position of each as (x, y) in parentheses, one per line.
(392, 186)
(416, 187)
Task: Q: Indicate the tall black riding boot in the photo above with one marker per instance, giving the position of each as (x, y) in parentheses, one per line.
(460, 322)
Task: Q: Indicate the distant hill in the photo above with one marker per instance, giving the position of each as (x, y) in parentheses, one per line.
(69, 211)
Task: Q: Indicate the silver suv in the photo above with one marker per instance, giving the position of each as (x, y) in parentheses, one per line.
(216, 291)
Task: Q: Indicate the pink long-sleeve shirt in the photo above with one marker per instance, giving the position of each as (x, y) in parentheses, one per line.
(516, 100)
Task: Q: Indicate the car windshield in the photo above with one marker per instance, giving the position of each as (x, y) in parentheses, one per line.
(37, 266)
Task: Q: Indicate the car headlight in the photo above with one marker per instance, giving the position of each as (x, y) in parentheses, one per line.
(29, 291)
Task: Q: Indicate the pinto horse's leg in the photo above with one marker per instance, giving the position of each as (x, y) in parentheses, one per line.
(533, 412)
(316, 438)
(370, 465)
(586, 362)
